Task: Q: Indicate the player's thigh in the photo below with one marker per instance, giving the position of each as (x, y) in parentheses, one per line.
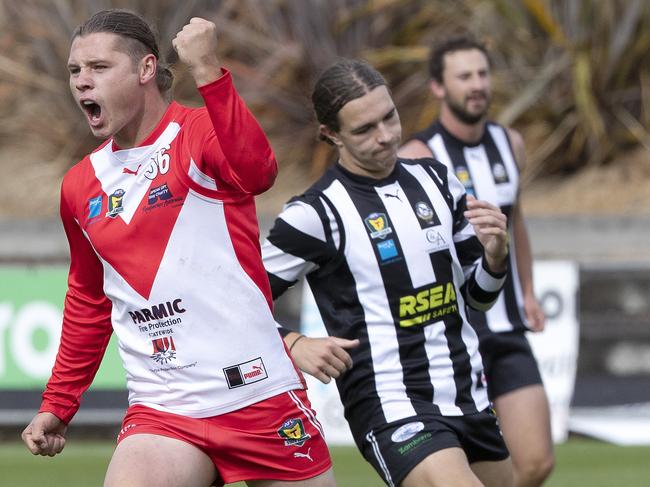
(444, 468)
(145, 460)
(326, 479)
(494, 474)
(525, 421)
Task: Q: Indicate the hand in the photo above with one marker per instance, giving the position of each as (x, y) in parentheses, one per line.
(534, 313)
(324, 358)
(45, 435)
(491, 228)
(196, 45)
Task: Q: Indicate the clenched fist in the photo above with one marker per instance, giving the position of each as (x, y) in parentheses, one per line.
(196, 45)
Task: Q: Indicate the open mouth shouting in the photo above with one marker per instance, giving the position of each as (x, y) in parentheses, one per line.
(93, 112)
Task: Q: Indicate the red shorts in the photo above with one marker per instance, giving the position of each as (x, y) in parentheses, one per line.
(275, 439)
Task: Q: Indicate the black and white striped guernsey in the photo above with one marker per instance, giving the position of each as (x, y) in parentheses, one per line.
(489, 171)
(392, 262)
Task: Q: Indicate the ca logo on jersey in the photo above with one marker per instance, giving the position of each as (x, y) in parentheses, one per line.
(377, 223)
(115, 203)
(293, 432)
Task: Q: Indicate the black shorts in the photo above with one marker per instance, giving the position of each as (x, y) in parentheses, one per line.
(509, 362)
(394, 449)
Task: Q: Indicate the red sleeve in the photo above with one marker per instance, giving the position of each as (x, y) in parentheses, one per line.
(236, 148)
(86, 324)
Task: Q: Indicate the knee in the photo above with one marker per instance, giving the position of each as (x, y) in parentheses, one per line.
(534, 471)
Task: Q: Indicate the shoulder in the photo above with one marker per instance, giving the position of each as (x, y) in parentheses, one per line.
(517, 144)
(76, 178)
(429, 164)
(417, 145)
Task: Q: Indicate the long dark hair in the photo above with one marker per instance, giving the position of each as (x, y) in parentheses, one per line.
(138, 38)
(344, 81)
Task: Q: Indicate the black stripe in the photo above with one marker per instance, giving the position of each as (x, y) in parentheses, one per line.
(397, 283)
(278, 285)
(512, 308)
(299, 244)
(469, 251)
(499, 170)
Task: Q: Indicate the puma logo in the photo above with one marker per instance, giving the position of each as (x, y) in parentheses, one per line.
(297, 454)
(396, 195)
(126, 170)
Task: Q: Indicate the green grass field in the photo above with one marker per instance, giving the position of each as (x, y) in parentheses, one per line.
(580, 462)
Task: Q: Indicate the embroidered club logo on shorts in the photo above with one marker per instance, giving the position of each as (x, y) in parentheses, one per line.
(407, 431)
(293, 432)
(245, 373)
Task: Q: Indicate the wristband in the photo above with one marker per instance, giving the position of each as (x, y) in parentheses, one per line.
(296, 341)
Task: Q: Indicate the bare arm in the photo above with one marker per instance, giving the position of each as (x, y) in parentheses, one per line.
(323, 358)
(533, 310)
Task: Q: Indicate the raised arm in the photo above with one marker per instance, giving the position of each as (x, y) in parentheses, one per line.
(237, 148)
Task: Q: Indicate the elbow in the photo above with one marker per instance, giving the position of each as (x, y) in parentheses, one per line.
(265, 176)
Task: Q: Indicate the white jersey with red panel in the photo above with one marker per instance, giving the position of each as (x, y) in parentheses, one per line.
(165, 251)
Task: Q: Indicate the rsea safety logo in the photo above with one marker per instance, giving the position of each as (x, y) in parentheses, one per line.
(293, 432)
(245, 373)
(428, 305)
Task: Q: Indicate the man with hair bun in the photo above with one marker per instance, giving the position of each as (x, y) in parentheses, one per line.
(164, 250)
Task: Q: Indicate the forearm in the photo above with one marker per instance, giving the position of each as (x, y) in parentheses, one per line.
(80, 354)
(241, 139)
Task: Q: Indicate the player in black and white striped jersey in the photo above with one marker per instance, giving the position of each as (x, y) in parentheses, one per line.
(486, 157)
(393, 251)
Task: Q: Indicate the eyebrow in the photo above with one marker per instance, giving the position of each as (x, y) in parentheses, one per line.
(369, 125)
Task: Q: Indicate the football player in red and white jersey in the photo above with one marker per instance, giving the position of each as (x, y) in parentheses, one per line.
(164, 250)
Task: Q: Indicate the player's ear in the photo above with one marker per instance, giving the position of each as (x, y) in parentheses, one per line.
(147, 68)
(437, 89)
(328, 135)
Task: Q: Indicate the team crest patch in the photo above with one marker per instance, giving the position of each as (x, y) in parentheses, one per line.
(424, 211)
(115, 203)
(463, 176)
(95, 206)
(499, 172)
(293, 432)
(164, 350)
(377, 223)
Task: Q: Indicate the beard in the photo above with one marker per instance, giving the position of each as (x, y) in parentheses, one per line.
(463, 115)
